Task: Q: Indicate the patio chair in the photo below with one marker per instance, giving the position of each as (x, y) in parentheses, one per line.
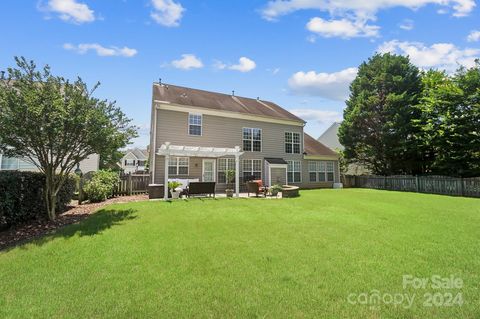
(257, 188)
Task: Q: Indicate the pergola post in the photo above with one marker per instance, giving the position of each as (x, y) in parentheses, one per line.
(168, 150)
(165, 184)
(237, 172)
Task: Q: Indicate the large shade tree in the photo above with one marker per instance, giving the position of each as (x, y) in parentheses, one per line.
(377, 130)
(56, 123)
(450, 121)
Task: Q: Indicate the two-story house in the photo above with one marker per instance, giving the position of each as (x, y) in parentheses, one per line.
(134, 161)
(200, 134)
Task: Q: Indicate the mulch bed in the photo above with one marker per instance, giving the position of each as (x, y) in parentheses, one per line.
(75, 213)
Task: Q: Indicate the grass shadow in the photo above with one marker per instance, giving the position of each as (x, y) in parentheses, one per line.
(94, 224)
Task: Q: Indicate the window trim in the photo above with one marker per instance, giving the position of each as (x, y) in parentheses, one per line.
(221, 171)
(251, 171)
(251, 140)
(177, 166)
(318, 171)
(299, 171)
(300, 138)
(201, 124)
(17, 167)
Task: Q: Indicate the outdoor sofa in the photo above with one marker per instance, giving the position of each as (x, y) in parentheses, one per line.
(201, 188)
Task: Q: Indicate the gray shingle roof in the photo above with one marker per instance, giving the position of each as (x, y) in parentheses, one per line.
(139, 154)
(219, 101)
(314, 147)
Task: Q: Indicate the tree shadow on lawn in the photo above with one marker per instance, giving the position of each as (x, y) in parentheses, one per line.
(94, 224)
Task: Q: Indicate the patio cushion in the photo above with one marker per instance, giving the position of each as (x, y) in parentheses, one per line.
(259, 182)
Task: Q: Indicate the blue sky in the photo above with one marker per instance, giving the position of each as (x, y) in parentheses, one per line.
(301, 54)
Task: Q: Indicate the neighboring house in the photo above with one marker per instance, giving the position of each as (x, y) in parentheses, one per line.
(199, 135)
(330, 139)
(90, 164)
(134, 161)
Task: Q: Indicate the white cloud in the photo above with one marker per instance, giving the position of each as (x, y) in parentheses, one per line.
(188, 62)
(311, 38)
(318, 116)
(407, 25)
(167, 12)
(333, 86)
(474, 36)
(361, 9)
(349, 18)
(244, 65)
(70, 10)
(343, 28)
(219, 65)
(83, 48)
(439, 55)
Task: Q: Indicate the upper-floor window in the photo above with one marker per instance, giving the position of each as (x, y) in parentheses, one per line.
(321, 171)
(292, 143)
(195, 124)
(294, 172)
(252, 139)
(178, 166)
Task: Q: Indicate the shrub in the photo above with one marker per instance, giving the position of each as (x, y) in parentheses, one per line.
(22, 196)
(101, 185)
(275, 189)
(174, 185)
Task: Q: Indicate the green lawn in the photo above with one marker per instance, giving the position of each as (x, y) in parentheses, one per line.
(252, 258)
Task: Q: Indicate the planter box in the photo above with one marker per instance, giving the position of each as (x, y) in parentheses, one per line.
(155, 191)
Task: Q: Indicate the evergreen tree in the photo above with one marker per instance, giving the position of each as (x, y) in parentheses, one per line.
(378, 129)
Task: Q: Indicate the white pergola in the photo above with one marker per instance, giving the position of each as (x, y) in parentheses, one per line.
(168, 150)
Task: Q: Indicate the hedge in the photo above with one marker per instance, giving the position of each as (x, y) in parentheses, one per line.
(22, 197)
(101, 185)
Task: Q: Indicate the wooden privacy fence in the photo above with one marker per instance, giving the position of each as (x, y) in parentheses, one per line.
(444, 185)
(131, 184)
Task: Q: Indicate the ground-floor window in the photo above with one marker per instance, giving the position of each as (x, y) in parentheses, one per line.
(252, 169)
(15, 163)
(178, 166)
(294, 172)
(321, 171)
(224, 164)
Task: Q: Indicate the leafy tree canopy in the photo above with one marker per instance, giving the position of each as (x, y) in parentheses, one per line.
(377, 130)
(56, 123)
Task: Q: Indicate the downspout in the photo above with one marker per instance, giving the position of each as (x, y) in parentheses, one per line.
(153, 150)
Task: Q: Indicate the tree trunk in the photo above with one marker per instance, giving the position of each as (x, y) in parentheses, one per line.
(50, 195)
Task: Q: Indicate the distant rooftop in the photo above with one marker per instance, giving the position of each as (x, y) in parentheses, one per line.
(141, 154)
(330, 137)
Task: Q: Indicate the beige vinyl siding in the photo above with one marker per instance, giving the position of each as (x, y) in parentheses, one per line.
(172, 126)
(90, 164)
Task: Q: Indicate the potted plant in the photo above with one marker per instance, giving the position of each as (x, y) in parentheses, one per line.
(275, 189)
(173, 189)
(229, 176)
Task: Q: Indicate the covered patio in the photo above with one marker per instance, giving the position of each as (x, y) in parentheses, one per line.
(167, 150)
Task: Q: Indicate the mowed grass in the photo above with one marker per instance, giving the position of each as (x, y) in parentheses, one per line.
(250, 258)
